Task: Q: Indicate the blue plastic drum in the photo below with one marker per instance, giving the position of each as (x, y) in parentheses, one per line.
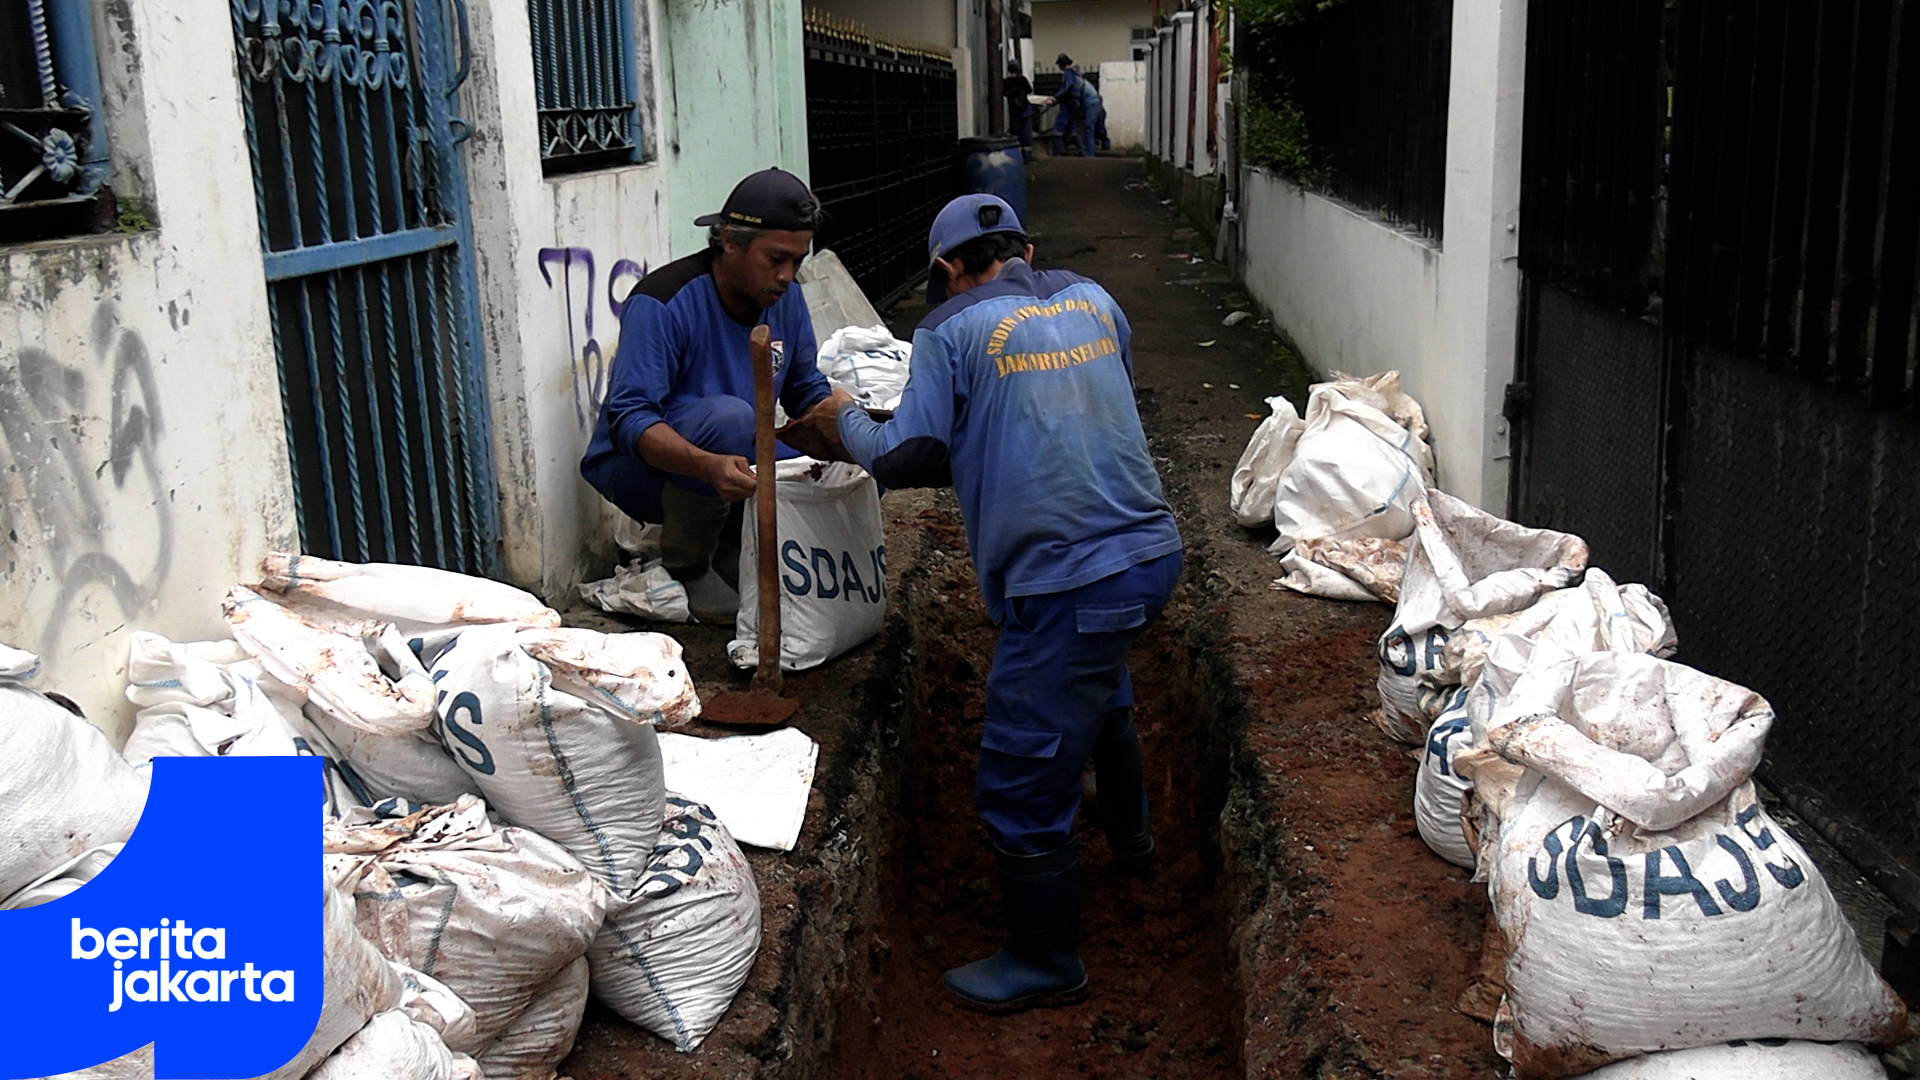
(992, 166)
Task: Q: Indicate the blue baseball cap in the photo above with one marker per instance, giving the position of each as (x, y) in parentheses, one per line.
(965, 218)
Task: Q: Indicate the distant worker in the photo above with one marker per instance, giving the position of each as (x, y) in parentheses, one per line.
(673, 443)
(1018, 91)
(1082, 114)
(1021, 397)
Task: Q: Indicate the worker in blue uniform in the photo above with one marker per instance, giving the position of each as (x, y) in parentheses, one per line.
(1082, 120)
(674, 441)
(1021, 397)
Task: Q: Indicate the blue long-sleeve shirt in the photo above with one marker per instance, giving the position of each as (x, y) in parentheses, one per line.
(678, 343)
(1021, 396)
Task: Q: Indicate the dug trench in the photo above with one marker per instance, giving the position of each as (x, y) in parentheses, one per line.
(1298, 928)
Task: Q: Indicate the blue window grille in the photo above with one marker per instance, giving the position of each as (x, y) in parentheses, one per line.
(53, 158)
(583, 71)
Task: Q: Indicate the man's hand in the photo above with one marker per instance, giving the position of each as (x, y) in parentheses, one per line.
(730, 476)
(817, 434)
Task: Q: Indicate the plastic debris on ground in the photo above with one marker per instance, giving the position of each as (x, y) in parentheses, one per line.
(757, 784)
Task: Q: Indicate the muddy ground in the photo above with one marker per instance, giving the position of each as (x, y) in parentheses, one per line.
(1299, 928)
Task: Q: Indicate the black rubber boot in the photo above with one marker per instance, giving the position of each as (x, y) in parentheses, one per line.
(1121, 803)
(1039, 966)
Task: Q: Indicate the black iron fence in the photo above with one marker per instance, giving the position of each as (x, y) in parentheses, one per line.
(882, 124)
(1720, 218)
(1369, 80)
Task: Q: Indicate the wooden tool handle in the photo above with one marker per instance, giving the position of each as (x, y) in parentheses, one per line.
(767, 676)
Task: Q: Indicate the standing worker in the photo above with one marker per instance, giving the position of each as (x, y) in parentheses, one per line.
(1019, 109)
(674, 440)
(1021, 396)
(1068, 97)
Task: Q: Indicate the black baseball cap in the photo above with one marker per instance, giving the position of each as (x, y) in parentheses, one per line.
(1063, 60)
(769, 199)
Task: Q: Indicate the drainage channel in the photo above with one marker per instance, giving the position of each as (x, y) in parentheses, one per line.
(1162, 1002)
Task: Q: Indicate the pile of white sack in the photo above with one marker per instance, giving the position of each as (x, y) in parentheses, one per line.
(1339, 485)
(500, 839)
(1655, 922)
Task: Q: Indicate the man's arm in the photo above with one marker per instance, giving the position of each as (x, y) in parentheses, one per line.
(663, 448)
(912, 449)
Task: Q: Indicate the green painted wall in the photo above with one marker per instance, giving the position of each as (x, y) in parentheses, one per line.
(735, 84)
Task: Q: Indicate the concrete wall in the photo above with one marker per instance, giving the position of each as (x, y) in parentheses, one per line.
(1359, 295)
(143, 454)
(1091, 31)
(1123, 89)
(733, 101)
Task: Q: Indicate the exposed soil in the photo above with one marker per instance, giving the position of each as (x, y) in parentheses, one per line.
(1345, 942)
(1155, 950)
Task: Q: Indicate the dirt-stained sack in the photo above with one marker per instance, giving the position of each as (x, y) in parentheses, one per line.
(1462, 563)
(1648, 901)
(541, 1037)
(359, 984)
(341, 674)
(414, 599)
(678, 947)
(556, 727)
(1256, 476)
(393, 1046)
(492, 913)
(1597, 616)
(64, 789)
(832, 566)
(1767, 1059)
(1363, 570)
(1357, 467)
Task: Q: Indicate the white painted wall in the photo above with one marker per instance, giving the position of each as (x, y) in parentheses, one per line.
(1123, 90)
(1360, 296)
(551, 256)
(1093, 32)
(143, 454)
(1202, 89)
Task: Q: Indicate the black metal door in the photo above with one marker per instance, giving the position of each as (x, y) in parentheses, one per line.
(1720, 218)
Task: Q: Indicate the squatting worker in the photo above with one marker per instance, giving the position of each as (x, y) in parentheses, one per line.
(1021, 397)
(674, 441)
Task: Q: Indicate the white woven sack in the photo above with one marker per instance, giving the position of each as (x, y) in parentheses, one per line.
(1598, 616)
(833, 566)
(1256, 476)
(1462, 563)
(210, 699)
(541, 1037)
(340, 673)
(492, 913)
(359, 984)
(642, 589)
(413, 598)
(1355, 473)
(867, 362)
(566, 747)
(63, 788)
(392, 1046)
(1648, 901)
(677, 949)
(63, 879)
(1771, 1059)
(412, 766)
(434, 1004)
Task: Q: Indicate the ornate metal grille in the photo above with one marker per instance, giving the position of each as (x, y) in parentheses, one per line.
(583, 80)
(52, 156)
(362, 206)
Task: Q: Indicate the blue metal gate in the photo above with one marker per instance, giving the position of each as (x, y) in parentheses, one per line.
(363, 217)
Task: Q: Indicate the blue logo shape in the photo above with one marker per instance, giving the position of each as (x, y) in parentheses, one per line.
(203, 937)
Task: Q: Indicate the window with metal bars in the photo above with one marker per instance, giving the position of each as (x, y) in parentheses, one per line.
(53, 159)
(583, 71)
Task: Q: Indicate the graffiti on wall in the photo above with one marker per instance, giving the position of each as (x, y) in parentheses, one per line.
(103, 523)
(590, 360)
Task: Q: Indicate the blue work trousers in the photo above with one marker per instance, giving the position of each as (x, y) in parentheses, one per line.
(1058, 676)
